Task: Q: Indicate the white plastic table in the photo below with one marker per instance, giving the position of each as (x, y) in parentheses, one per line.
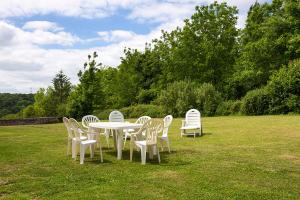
(118, 128)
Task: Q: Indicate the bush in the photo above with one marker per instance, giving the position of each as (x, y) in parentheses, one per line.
(207, 99)
(178, 97)
(29, 112)
(229, 107)
(102, 115)
(284, 87)
(134, 111)
(181, 96)
(224, 108)
(139, 110)
(236, 107)
(256, 102)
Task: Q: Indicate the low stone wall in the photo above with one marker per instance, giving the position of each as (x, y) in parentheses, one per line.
(29, 121)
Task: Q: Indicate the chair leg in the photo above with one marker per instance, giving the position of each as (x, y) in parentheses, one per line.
(92, 149)
(101, 156)
(168, 144)
(143, 155)
(151, 149)
(82, 152)
(162, 144)
(158, 156)
(74, 149)
(125, 138)
(131, 150)
(68, 147)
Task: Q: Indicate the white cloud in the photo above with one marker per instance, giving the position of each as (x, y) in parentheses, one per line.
(116, 35)
(42, 25)
(11, 35)
(162, 12)
(72, 8)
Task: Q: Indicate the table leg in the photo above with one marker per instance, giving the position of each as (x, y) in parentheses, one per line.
(115, 138)
(120, 143)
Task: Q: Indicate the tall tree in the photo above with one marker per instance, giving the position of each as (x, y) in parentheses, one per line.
(204, 50)
(62, 87)
(88, 95)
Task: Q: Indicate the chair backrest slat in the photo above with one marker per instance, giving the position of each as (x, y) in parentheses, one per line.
(86, 120)
(116, 116)
(167, 123)
(193, 118)
(75, 127)
(151, 128)
(142, 120)
(68, 127)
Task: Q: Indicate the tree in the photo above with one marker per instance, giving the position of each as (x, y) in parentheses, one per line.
(62, 87)
(269, 41)
(88, 95)
(204, 50)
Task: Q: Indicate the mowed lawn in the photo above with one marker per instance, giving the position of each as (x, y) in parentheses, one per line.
(236, 158)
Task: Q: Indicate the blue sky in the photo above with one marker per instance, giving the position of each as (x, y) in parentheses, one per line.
(39, 38)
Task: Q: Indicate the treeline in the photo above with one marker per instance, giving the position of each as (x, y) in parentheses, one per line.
(207, 64)
(14, 103)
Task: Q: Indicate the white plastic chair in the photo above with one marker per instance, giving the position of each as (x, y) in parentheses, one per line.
(151, 129)
(70, 133)
(192, 122)
(83, 143)
(116, 116)
(167, 123)
(86, 120)
(128, 132)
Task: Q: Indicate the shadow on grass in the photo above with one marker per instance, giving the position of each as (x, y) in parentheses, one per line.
(198, 136)
(137, 156)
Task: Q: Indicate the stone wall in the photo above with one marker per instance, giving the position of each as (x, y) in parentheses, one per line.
(29, 121)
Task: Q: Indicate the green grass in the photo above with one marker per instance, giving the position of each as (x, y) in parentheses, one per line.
(236, 158)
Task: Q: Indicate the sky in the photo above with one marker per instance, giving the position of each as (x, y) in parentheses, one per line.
(40, 38)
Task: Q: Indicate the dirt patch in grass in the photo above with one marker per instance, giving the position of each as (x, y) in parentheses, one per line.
(294, 159)
(168, 175)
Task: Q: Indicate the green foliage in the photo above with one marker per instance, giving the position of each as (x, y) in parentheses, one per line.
(88, 95)
(229, 107)
(207, 99)
(204, 50)
(139, 110)
(269, 40)
(183, 95)
(14, 103)
(134, 111)
(29, 112)
(256, 102)
(284, 88)
(62, 87)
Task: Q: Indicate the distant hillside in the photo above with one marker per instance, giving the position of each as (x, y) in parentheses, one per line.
(13, 103)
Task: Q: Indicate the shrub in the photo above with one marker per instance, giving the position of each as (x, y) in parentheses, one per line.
(134, 111)
(183, 95)
(256, 102)
(178, 97)
(284, 87)
(236, 107)
(29, 111)
(207, 99)
(224, 108)
(139, 110)
(102, 115)
(229, 107)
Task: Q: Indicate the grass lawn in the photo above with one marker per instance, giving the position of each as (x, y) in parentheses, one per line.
(236, 158)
